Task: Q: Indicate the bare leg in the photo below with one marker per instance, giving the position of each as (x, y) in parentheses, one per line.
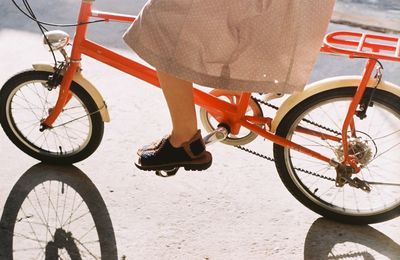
(179, 96)
(184, 148)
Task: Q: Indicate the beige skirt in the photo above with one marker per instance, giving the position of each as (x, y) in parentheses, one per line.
(246, 45)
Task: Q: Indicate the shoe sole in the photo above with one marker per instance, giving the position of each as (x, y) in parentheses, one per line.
(199, 164)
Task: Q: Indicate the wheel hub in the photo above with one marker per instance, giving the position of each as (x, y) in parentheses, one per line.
(361, 147)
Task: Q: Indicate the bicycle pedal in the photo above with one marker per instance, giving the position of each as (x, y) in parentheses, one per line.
(218, 135)
(168, 173)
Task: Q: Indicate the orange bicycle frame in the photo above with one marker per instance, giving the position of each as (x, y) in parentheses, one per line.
(230, 114)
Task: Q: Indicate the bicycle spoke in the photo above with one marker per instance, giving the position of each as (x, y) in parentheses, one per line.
(27, 249)
(44, 220)
(87, 250)
(40, 99)
(84, 235)
(36, 239)
(79, 217)
(387, 135)
(73, 211)
(387, 150)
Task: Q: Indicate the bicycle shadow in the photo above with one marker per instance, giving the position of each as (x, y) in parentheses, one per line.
(331, 240)
(56, 211)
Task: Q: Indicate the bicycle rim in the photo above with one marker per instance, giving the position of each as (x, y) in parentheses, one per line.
(377, 147)
(31, 102)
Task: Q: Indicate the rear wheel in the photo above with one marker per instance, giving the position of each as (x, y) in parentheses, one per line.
(26, 99)
(377, 148)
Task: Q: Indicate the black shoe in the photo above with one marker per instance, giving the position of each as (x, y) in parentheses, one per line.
(192, 156)
(151, 147)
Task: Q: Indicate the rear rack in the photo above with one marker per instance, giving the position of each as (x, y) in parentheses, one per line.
(356, 44)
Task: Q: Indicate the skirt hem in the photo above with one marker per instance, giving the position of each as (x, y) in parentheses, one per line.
(169, 66)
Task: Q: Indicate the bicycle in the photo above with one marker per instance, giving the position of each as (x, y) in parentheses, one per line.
(332, 167)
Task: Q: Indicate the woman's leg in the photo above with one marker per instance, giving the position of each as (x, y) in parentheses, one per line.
(179, 96)
(184, 147)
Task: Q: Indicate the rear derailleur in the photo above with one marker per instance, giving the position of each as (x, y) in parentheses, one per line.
(344, 174)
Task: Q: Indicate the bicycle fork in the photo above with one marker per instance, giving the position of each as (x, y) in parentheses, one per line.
(64, 96)
(72, 67)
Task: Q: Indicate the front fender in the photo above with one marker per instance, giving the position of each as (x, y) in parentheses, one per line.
(324, 85)
(89, 87)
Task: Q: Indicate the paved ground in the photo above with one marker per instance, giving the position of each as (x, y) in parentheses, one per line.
(237, 210)
(374, 4)
(380, 16)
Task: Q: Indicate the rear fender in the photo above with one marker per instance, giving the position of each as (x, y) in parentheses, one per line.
(324, 85)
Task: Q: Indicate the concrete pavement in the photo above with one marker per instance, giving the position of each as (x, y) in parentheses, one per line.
(381, 16)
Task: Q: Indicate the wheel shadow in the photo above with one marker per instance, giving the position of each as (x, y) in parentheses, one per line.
(331, 240)
(56, 212)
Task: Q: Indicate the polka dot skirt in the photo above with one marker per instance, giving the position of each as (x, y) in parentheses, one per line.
(246, 45)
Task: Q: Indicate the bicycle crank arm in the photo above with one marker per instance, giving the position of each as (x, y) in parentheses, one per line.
(218, 135)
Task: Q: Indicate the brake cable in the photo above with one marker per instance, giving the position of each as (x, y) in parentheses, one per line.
(31, 15)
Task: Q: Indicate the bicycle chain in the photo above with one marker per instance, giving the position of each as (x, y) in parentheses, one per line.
(272, 159)
(305, 120)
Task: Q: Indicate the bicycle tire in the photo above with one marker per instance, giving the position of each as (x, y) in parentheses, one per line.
(322, 199)
(15, 212)
(80, 126)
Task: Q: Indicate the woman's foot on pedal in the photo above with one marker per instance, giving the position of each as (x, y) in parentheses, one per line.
(151, 147)
(191, 155)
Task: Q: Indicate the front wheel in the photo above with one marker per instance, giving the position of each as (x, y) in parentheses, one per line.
(377, 148)
(26, 99)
